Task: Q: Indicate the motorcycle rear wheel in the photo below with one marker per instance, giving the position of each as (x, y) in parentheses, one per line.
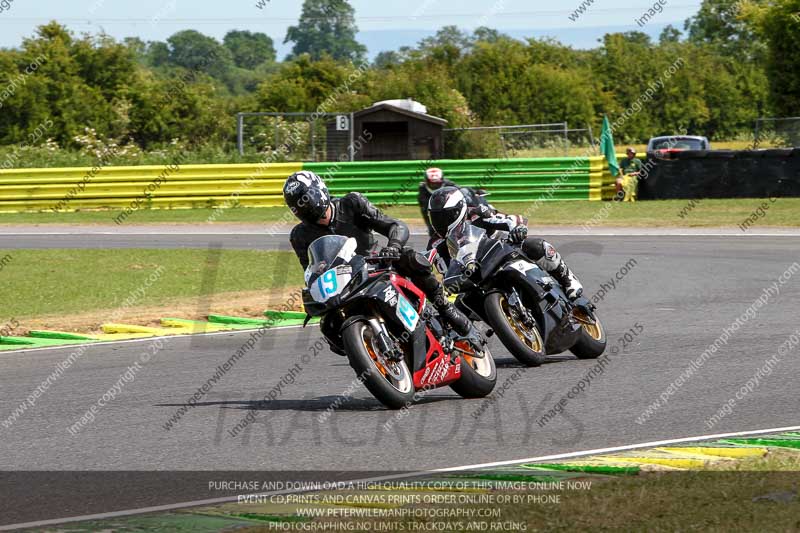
(525, 343)
(391, 383)
(478, 375)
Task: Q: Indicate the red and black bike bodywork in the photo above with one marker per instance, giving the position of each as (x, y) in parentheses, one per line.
(379, 296)
(403, 326)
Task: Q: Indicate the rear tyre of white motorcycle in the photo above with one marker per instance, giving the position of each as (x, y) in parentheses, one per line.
(530, 351)
(478, 376)
(394, 394)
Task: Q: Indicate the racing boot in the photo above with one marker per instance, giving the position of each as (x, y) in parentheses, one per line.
(463, 326)
(550, 261)
(567, 279)
(457, 320)
(573, 288)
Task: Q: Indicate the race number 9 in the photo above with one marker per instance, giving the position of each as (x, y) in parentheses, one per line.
(327, 283)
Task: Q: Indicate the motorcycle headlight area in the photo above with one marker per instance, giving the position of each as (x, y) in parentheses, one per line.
(331, 283)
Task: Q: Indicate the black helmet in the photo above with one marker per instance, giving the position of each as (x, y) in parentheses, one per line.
(307, 196)
(447, 209)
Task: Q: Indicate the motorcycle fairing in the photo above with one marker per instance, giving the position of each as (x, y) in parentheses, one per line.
(558, 329)
(436, 368)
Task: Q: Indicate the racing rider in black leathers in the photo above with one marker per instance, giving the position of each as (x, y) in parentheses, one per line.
(354, 216)
(449, 208)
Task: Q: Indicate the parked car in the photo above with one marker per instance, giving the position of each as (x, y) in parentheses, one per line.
(677, 143)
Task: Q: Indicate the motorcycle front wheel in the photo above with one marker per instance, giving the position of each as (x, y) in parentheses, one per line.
(592, 342)
(478, 374)
(523, 341)
(390, 382)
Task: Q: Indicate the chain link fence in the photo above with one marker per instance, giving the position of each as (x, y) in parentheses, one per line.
(311, 137)
(782, 132)
(326, 137)
(527, 140)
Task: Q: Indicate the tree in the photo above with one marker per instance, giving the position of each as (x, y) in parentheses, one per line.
(104, 64)
(508, 82)
(249, 49)
(446, 47)
(153, 92)
(162, 110)
(387, 59)
(74, 85)
(326, 27)
(157, 53)
(427, 83)
(192, 50)
(487, 35)
(486, 77)
(670, 34)
(779, 26)
(628, 65)
(303, 85)
(722, 24)
(137, 46)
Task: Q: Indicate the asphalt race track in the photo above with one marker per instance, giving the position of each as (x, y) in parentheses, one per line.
(680, 292)
(275, 237)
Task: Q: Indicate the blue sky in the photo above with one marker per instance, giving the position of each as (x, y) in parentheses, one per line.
(384, 24)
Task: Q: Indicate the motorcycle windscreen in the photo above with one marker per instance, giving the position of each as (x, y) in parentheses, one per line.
(326, 253)
(463, 242)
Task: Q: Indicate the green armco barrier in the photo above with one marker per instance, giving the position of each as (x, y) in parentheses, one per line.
(396, 182)
(261, 185)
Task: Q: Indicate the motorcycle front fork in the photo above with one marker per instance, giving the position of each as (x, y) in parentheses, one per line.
(386, 344)
(516, 303)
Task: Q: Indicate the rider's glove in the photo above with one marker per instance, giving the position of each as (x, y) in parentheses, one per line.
(518, 234)
(391, 252)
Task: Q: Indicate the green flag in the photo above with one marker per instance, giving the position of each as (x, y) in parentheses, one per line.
(607, 147)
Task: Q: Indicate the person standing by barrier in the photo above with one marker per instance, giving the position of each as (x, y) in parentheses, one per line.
(628, 180)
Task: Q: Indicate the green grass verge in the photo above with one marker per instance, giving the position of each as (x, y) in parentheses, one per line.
(659, 213)
(744, 495)
(45, 282)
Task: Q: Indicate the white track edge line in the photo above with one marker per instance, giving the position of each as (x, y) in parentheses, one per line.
(567, 455)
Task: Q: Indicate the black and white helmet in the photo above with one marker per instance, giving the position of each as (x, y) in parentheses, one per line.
(307, 196)
(447, 209)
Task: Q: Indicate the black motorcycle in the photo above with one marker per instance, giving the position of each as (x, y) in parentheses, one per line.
(526, 308)
(391, 335)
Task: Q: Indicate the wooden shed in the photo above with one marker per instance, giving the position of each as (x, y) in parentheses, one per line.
(396, 133)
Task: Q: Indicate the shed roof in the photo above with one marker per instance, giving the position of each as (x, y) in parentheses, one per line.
(401, 111)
